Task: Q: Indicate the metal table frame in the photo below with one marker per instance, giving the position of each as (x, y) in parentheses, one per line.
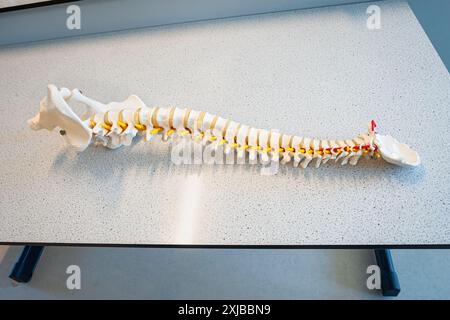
(390, 286)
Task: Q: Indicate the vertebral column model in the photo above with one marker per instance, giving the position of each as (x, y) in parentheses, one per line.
(116, 124)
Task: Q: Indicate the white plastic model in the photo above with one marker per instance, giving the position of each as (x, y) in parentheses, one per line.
(117, 123)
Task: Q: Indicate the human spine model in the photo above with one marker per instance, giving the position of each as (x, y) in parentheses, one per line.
(116, 124)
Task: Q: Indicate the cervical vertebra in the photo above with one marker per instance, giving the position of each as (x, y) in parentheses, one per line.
(116, 124)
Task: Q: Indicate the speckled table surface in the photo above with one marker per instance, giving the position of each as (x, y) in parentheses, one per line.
(317, 72)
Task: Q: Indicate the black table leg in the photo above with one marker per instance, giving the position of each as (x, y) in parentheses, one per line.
(24, 267)
(390, 286)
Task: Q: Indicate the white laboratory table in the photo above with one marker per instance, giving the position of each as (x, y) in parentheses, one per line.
(318, 72)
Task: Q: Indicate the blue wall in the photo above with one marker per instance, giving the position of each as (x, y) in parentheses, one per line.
(434, 16)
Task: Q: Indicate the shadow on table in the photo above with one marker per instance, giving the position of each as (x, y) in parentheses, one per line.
(155, 158)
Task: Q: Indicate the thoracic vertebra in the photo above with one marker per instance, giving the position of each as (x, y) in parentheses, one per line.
(116, 124)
